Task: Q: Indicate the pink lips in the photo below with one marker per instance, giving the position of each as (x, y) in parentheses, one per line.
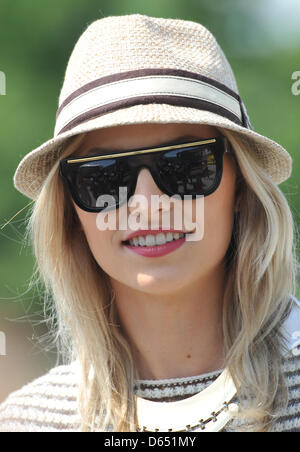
(157, 250)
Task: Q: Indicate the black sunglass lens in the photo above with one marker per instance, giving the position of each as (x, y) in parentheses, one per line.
(97, 183)
(189, 171)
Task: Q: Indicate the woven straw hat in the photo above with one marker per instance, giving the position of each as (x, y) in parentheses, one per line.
(137, 69)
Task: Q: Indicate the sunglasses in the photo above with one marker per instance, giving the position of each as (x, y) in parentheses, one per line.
(192, 169)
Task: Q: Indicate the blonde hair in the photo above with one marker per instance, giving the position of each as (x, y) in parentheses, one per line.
(84, 318)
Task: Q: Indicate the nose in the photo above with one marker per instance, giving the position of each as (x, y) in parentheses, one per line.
(146, 185)
(144, 190)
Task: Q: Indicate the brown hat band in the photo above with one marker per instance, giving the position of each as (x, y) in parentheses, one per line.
(148, 86)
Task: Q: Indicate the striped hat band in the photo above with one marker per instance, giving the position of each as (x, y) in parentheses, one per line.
(145, 86)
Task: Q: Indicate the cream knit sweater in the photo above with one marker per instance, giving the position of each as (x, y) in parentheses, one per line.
(49, 403)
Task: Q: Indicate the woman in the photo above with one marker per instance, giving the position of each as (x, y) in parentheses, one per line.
(189, 326)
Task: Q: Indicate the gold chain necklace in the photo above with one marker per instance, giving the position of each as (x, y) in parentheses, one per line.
(209, 410)
(202, 422)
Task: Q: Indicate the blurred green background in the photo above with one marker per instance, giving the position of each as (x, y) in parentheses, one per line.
(261, 40)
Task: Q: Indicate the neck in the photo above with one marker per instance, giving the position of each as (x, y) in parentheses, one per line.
(177, 334)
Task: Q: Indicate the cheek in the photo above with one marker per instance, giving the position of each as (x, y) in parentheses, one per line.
(219, 214)
(99, 241)
(218, 224)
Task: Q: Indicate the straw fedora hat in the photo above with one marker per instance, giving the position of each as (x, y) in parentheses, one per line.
(135, 69)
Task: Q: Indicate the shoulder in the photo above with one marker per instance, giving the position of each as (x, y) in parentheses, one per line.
(46, 404)
(289, 421)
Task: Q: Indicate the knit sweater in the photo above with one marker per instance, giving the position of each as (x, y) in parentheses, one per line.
(49, 403)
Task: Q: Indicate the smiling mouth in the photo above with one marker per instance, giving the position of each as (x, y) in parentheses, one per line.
(150, 240)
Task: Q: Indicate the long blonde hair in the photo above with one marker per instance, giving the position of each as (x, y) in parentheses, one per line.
(261, 276)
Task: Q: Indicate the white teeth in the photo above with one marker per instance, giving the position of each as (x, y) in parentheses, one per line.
(150, 240)
(160, 239)
(169, 236)
(142, 241)
(153, 240)
(135, 241)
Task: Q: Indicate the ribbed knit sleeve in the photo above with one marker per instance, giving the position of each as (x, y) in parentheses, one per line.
(289, 421)
(48, 404)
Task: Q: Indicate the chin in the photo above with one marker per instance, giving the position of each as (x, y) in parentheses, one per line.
(159, 285)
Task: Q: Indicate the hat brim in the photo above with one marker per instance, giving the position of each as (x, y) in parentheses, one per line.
(35, 166)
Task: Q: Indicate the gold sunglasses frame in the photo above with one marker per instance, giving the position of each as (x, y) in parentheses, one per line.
(142, 151)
